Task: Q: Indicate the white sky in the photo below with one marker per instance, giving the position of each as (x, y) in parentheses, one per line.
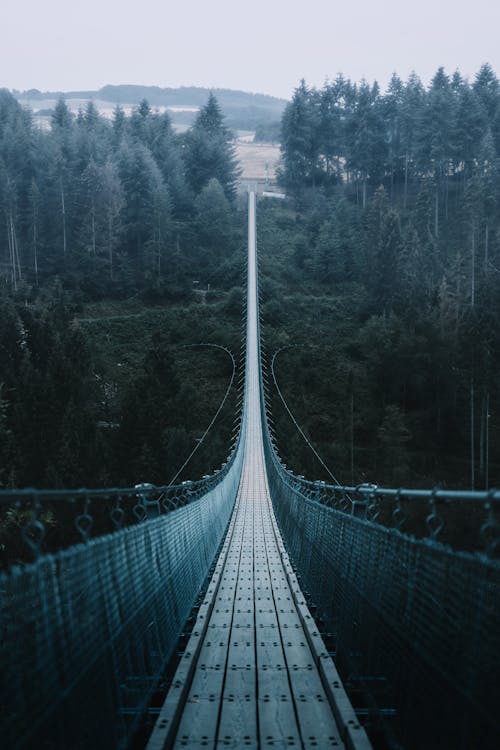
(259, 45)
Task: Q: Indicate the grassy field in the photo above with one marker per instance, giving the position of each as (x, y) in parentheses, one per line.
(257, 160)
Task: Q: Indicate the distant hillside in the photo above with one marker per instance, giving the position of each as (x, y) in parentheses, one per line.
(243, 110)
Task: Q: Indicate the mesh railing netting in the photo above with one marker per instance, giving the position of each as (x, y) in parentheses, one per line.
(416, 625)
(86, 633)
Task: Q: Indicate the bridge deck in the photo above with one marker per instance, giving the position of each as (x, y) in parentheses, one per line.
(255, 673)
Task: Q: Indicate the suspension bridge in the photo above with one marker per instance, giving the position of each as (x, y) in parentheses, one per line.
(317, 626)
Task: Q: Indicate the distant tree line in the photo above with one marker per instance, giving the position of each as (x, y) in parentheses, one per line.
(110, 202)
(242, 110)
(353, 133)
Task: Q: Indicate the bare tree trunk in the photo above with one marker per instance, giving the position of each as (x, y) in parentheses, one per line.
(11, 257)
(436, 213)
(35, 245)
(92, 224)
(473, 266)
(35, 196)
(392, 181)
(63, 212)
(487, 445)
(15, 263)
(110, 244)
(472, 447)
(159, 245)
(352, 435)
(406, 180)
(486, 246)
(446, 195)
(16, 247)
(482, 441)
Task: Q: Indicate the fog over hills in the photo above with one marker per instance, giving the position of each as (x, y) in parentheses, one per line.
(242, 109)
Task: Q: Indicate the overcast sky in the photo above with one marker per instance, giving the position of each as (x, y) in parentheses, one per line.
(260, 45)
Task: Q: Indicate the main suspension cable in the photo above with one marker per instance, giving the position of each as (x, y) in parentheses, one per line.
(300, 430)
(214, 418)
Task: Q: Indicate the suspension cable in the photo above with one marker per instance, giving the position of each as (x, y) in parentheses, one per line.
(301, 431)
(228, 389)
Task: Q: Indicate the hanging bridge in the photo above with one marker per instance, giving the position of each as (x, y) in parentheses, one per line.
(109, 644)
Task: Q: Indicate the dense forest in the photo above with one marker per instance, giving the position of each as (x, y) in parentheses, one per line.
(389, 271)
(122, 242)
(111, 234)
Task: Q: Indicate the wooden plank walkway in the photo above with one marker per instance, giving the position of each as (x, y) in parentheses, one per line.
(255, 673)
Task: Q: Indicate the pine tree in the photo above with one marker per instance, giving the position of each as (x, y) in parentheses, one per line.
(213, 221)
(298, 153)
(436, 151)
(392, 106)
(209, 152)
(469, 128)
(331, 136)
(62, 118)
(412, 107)
(119, 125)
(165, 149)
(487, 88)
(488, 168)
(367, 151)
(113, 203)
(338, 239)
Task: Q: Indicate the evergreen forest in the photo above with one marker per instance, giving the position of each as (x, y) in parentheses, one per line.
(393, 252)
(120, 247)
(123, 243)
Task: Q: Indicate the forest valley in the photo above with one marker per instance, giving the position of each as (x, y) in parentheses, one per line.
(122, 242)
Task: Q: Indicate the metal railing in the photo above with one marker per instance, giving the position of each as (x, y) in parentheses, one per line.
(43, 521)
(414, 623)
(86, 632)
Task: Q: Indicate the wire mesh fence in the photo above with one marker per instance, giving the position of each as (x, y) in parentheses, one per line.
(86, 632)
(416, 624)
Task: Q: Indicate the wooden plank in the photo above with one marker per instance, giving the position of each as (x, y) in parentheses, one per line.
(277, 719)
(238, 720)
(238, 716)
(263, 678)
(318, 727)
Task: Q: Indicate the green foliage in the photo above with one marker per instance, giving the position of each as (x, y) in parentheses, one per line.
(385, 340)
(48, 397)
(115, 399)
(209, 152)
(107, 207)
(213, 220)
(354, 134)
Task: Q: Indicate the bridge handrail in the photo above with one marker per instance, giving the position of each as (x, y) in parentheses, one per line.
(149, 501)
(366, 502)
(368, 491)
